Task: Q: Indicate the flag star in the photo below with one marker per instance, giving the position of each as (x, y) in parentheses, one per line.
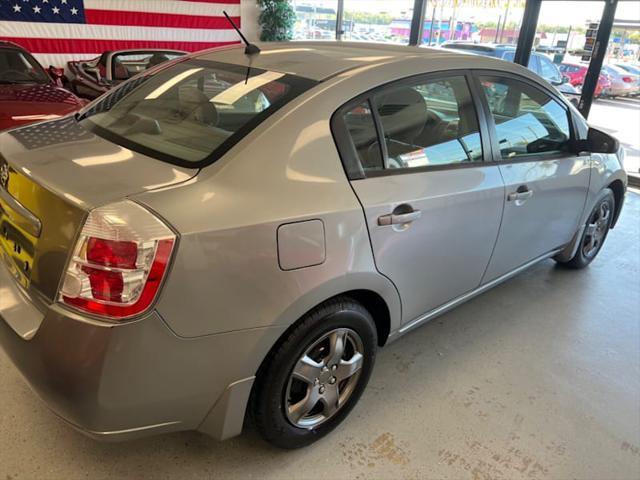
(74, 11)
(64, 2)
(55, 10)
(17, 8)
(45, 1)
(36, 9)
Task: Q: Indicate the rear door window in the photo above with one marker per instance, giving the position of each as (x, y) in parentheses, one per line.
(428, 123)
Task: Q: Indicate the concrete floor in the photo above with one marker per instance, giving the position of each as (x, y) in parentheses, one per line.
(537, 379)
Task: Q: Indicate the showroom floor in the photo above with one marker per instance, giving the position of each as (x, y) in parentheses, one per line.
(537, 379)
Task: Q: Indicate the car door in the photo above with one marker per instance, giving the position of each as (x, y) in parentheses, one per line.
(431, 201)
(546, 183)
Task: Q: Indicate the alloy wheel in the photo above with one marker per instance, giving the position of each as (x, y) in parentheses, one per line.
(596, 230)
(323, 378)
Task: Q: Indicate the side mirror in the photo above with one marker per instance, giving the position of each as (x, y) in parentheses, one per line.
(598, 142)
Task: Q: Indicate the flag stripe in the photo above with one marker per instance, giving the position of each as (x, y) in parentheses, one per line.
(55, 31)
(81, 45)
(167, 20)
(165, 6)
(229, 2)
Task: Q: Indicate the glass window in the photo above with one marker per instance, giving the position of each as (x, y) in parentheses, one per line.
(315, 19)
(16, 67)
(388, 22)
(362, 129)
(191, 109)
(126, 65)
(527, 120)
(548, 70)
(432, 123)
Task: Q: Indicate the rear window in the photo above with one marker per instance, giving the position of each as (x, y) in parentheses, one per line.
(193, 112)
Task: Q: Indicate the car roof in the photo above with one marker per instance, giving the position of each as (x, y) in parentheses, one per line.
(110, 52)
(8, 44)
(319, 60)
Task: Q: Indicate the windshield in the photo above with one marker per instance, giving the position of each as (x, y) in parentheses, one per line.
(16, 67)
(192, 112)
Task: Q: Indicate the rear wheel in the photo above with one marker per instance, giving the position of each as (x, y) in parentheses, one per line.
(595, 231)
(314, 377)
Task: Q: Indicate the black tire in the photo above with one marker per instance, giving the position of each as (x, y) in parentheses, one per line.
(270, 398)
(586, 252)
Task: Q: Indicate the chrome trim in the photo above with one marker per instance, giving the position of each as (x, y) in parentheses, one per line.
(19, 215)
(129, 430)
(466, 296)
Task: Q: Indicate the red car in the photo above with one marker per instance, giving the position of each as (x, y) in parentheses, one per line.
(576, 74)
(27, 92)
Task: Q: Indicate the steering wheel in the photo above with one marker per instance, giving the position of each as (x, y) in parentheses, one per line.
(20, 75)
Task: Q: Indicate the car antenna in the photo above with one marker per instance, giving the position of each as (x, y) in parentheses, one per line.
(250, 48)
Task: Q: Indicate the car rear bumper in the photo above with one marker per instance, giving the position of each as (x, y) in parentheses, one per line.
(116, 382)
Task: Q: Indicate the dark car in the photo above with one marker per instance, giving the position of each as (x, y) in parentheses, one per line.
(538, 63)
(28, 93)
(92, 78)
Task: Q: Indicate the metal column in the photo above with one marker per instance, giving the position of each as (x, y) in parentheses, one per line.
(527, 32)
(597, 57)
(417, 22)
(339, 20)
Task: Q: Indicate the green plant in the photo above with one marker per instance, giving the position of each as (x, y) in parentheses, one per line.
(277, 18)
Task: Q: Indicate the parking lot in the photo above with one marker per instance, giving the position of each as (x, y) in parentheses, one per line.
(621, 118)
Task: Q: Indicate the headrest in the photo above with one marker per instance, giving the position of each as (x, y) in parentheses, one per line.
(403, 113)
(195, 104)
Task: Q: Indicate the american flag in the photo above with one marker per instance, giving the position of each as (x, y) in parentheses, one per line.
(60, 30)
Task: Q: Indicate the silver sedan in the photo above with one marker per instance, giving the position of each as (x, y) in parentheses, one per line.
(235, 235)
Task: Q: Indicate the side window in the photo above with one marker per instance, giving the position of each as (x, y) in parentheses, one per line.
(528, 121)
(362, 130)
(430, 123)
(549, 70)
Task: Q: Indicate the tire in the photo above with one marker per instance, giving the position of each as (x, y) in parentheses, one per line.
(595, 231)
(280, 397)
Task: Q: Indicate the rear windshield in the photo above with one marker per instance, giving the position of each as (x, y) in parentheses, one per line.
(191, 113)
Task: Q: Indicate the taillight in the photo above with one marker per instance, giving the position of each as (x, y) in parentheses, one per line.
(627, 79)
(119, 262)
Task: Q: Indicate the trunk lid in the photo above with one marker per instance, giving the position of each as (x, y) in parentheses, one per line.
(51, 175)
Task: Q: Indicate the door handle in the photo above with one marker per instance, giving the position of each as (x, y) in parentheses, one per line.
(523, 193)
(399, 218)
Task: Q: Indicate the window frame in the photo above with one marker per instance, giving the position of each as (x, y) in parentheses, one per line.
(494, 145)
(349, 155)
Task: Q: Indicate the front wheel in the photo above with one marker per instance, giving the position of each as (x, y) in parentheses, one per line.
(314, 377)
(595, 231)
